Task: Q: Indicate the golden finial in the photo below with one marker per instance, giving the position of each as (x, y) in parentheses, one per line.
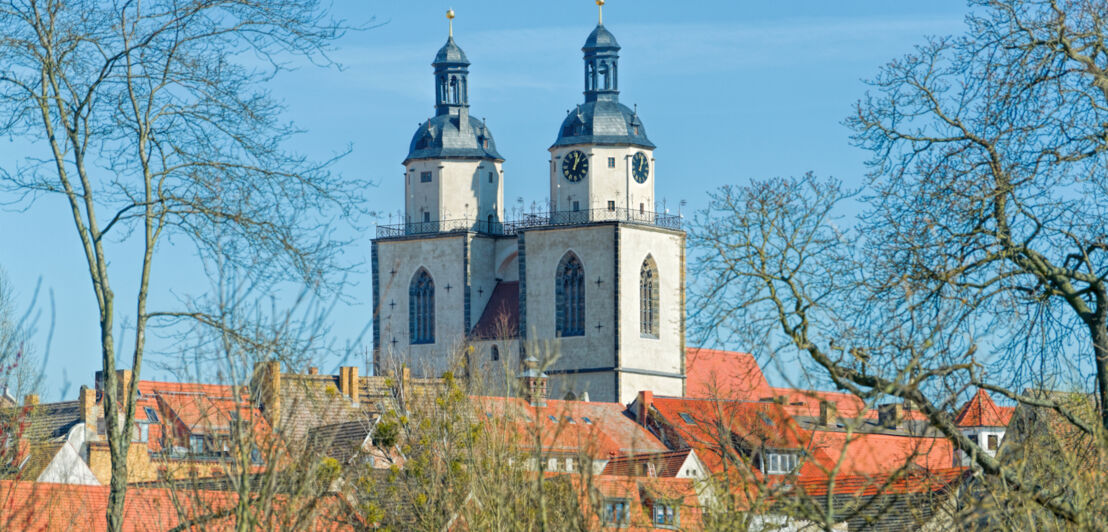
(450, 17)
(600, 11)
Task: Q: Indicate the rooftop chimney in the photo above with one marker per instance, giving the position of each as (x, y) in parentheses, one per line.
(265, 387)
(348, 383)
(30, 399)
(87, 405)
(890, 415)
(313, 370)
(533, 382)
(827, 413)
(645, 401)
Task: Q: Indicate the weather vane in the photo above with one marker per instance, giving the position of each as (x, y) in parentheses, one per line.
(450, 18)
(600, 11)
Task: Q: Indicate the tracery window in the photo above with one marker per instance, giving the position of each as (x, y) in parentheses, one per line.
(648, 298)
(570, 297)
(421, 308)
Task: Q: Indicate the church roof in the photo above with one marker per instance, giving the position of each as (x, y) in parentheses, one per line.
(981, 411)
(501, 315)
(453, 136)
(603, 122)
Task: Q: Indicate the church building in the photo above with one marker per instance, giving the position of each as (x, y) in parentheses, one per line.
(593, 288)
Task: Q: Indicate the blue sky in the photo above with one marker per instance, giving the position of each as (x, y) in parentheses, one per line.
(728, 91)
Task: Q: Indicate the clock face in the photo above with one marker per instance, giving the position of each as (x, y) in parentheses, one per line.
(640, 167)
(575, 165)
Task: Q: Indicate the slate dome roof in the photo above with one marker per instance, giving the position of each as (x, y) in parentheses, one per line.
(600, 38)
(450, 53)
(453, 136)
(603, 122)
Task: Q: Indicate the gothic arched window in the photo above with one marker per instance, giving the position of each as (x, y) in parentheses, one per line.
(569, 290)
(421, 308)
(648, 298)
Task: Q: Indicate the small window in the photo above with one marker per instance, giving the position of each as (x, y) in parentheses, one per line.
(615, 512)
(611, 205)
(611, 162)
(425, 177)
(553, 464)
(587, 420)
(665, 514)
(576, 206)
(994, 442)
(495, 353)
(570, 420)
(642, 208)
(196, 444)
(552, 418)
(144, 432)
(687, 418)
(426, 217)
(780, 463)
(490, 177)
(151, 414)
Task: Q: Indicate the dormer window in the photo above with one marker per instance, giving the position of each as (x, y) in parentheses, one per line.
(779, 463)
(615, 512)
(664, 514)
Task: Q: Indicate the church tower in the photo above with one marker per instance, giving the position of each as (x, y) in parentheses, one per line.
(602, 162)
(604, 279)
(453, 176)
(431, 271)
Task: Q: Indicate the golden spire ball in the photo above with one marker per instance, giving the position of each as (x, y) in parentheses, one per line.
(450, 17)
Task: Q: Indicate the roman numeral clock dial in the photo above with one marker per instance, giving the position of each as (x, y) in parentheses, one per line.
(575, 166)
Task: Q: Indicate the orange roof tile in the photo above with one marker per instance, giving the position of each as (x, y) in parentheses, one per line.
(45, 506)
(724, 374)
(667, 464)
(981, 411)
(598, 429)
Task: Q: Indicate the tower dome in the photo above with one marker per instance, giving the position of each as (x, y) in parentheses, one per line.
(452, 133)
(602, 119)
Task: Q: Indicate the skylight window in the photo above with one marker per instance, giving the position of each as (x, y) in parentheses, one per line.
(569, 419)
(587, 420)
(686, 418)
(765, 419)
(552, 418)
(151, 414)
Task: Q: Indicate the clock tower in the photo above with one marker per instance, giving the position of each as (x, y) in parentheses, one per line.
(602, 163)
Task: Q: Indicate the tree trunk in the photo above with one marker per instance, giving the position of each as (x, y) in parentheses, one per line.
(1099, 330)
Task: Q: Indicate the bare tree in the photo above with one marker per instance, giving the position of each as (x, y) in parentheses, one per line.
(989, 186)
(157, 128)
(984, 224)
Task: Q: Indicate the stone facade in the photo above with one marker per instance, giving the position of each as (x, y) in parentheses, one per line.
(496, 296)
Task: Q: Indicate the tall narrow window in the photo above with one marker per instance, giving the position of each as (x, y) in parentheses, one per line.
(648, 298)
(421, 308)
(569, 292)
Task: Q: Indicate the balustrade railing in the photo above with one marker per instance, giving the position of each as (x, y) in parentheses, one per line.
(548, 219)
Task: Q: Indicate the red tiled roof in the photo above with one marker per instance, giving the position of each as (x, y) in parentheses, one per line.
(863, 485)
(724, 375)
(600, 430)
(666, 464)
(45, 506)
(981, 411)
(501, 315)
(716, 423)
